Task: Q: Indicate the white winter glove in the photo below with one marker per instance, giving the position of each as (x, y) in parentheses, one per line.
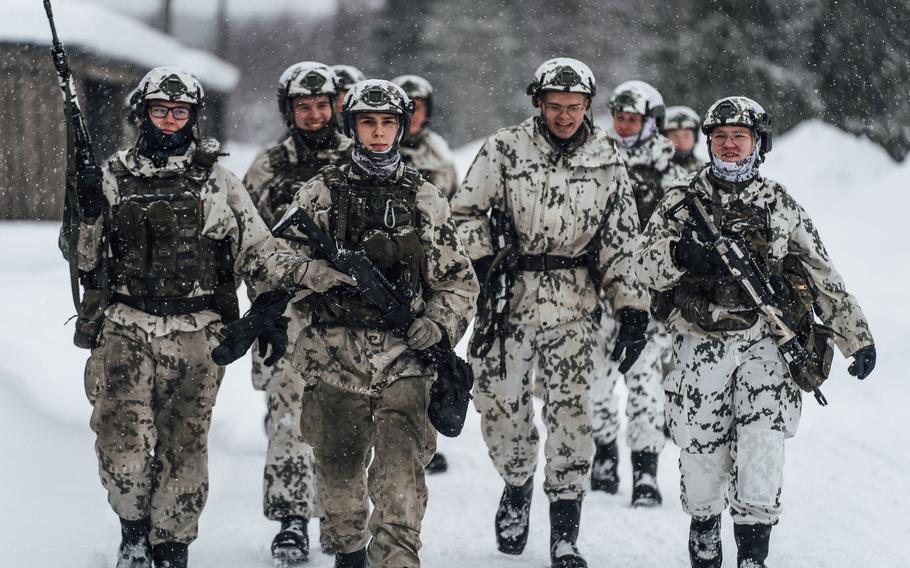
(319, 276)
(423, 333)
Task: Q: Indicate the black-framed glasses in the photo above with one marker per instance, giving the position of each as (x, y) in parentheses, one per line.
(179, 113)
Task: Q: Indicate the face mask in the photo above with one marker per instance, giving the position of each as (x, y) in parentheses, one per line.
(736, 172)
(158, 146)
(647, 131)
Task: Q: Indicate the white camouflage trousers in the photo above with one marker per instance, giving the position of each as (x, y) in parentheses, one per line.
(730, 405)
(644, 381)
(562, 362)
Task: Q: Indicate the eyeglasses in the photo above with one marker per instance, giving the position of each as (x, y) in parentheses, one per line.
(559, 109)
(179, 113)
(739, 139)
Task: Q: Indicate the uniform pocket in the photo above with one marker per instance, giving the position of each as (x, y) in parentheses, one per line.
(675, 412)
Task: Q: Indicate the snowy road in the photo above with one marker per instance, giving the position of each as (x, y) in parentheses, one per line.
(847, 484)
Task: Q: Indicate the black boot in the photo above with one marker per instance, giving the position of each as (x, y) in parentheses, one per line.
(565, 517)
(645, 492)
(438, 464)
(704, 543)
(356, 559)
(170, 555)
(135, 550)
(751, 545)
(512, 517)
(605, 469)
(291, 546)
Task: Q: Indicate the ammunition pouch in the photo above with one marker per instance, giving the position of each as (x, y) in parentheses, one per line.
(90, 320)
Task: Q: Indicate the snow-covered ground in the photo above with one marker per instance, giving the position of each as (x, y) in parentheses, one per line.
(846, 494)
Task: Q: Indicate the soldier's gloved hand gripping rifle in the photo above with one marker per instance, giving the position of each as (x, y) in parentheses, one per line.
(736, 261)
(83, 200)
(452, 389)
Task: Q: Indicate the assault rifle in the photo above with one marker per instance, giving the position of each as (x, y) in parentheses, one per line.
(80, 161)
(452, 389)
(496, 290)
(737, 262)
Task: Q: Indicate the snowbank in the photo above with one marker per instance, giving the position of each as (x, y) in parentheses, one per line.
(106, 33)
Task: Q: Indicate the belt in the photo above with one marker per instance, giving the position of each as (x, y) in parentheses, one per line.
(167, 306)
(542, 262)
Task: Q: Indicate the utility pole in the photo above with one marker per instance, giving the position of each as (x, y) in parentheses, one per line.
(222, 37)
(166, 16)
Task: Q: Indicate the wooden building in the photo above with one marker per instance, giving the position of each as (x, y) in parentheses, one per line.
(108, 53)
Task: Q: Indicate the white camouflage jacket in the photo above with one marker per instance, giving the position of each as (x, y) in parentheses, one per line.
(558, 204)
(429, 153)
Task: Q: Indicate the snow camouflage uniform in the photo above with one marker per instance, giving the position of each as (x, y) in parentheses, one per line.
(683, 117)
(429, 154)
(558, 203)
(288, 485)
(651, 170)
(366, 390)
(151, 380)
(730, 400)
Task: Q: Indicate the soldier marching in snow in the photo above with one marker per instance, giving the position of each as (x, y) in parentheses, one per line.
(368, 387)
(733, 395)
(681, 126)
(165, 229)
(306, 101)
(562, 228)
(638, 113)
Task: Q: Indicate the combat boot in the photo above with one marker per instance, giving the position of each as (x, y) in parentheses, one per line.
(356, 559)
(704, 543)
(135, 550)
(751, 545)
(605, 469)
(645, 492)
(291, 546)
(565, 517)
(438, 464)
(170, 555)
(513, 516)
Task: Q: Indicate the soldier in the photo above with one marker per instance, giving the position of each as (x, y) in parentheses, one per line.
(561, 183)
(421, 148)
(306, 100)
(348, 76)
(168, 228)
(731, 401)
(638, 112)
(367, 387)
(681, 127)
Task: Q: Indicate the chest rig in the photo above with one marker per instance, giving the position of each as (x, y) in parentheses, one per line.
(158, 250)
(647, 191)
(380, 218)
(698, 296)
(285, 174)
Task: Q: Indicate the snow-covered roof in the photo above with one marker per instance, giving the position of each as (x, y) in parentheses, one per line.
(98, 30)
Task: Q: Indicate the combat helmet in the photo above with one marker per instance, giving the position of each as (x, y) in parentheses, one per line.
(640, 98)
(416, 87)
(682, 117)
(740, 111)
(168, 84)
(348, 76)
(562, 75)
(305, 79)
(377, 95)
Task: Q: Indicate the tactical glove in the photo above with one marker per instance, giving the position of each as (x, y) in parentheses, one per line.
(423, 333)
(263, 321)
(691, 255)
(631, 337)
(863, 362)
(320, 276)
(88, 190)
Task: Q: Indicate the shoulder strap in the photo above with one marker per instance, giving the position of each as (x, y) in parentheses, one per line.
(411, 179)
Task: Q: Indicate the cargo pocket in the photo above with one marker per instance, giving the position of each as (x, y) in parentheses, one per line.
(675, 412)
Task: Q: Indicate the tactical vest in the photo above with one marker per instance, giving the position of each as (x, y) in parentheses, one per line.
(158, 250)
(647, 191)
(715, 302)
(380, 218)
(285, 174)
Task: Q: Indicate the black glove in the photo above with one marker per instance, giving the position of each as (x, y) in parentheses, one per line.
(631, 338)
(263, 321)
(863, 362)
(88, 190)
(691, 255)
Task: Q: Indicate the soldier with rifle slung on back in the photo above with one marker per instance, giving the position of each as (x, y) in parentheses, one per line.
(747, 274)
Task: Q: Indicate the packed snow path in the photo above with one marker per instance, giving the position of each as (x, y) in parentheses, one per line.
(846, 489)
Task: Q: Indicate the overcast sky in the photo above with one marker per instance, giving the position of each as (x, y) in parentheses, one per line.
(236, 8)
